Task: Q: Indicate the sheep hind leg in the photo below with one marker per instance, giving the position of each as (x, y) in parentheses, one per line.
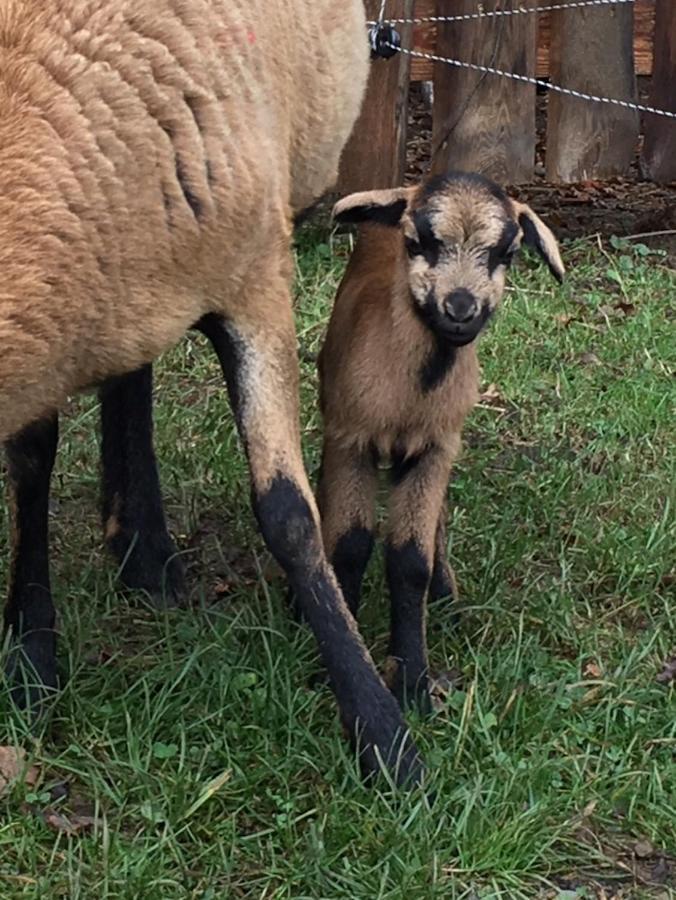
(261, 370)
(134, 524)
(414, 511)
(29, 613)
(443, 584)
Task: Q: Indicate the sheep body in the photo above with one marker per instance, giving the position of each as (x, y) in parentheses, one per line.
(374, 351)
(152, 156)
(130, 132)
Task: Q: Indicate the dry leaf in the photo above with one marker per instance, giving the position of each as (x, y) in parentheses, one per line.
(442, 684)
(592, 670)
(491, 393)
(12, 766)
(589, 359)
(668, 673)
(644, 849)
(70, 824)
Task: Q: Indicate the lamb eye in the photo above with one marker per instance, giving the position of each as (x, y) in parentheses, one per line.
(413, 247)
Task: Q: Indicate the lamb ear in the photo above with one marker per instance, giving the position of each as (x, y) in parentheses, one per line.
(540, 238)
(381, 207)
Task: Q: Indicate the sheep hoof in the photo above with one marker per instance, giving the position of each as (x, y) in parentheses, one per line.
(31, 674)
(398, 757)
(150, 563)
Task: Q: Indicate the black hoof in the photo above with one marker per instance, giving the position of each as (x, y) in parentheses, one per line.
(385, 747)
(32, 674)
(150, 563)
(396, 758)
(411, 689)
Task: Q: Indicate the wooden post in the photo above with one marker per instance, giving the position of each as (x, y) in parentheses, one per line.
(592, 51)
(375, 156)
(483, 122)
(659, 149)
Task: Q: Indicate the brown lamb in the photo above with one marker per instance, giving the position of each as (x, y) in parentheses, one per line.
(153, 154)
(399, 374)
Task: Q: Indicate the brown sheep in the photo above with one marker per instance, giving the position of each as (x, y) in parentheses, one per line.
(152, 156)
(399, 374)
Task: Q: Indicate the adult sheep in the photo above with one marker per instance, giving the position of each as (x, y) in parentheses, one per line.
(152, 155)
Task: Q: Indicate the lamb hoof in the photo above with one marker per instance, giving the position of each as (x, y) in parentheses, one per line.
(151, 564)
(411, 691)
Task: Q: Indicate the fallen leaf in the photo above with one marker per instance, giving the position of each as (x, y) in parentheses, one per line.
(13, 766)
(442, 684)
(565, 319)
(668, 673)
(592, 670)
(491, 393)
(68, 823)
(643, 849)
(589, 359)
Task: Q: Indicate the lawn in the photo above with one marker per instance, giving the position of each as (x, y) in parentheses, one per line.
(188, 757)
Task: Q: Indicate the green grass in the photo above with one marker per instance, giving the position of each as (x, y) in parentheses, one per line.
(552, 759)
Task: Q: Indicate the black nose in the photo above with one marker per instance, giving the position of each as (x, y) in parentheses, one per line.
(460, 305)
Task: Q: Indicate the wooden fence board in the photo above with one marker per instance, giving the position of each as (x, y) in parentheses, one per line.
(592, 52)
(375, 156)
(425, 39)
(659, 148)
(482, 123)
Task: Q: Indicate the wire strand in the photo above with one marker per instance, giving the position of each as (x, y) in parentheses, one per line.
(538, 82)
(492, 14)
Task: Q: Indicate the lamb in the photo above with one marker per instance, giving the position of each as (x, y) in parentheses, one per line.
(153, 154)
(398, 376)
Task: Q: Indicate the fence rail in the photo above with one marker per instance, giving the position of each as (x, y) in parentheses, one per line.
(487, 123)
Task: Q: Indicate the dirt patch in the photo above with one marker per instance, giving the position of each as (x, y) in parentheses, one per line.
(619, 206)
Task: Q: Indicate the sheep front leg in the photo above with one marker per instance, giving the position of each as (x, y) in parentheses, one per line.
(29, 613)
(346, 497)
(415, 505)
(259, 362)
(133, 515)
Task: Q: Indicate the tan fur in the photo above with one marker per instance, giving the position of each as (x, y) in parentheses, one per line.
(445, 243)
(103, 264)
(372, 355)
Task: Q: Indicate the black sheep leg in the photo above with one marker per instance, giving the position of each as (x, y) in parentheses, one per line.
(29, 613)
(134, 524)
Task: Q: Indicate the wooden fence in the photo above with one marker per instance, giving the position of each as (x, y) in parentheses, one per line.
(486, 123)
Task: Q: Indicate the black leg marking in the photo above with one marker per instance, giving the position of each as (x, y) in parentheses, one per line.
(30, 611)
(369, 712)
(408, 576)
(231, 353)
(133, 515)
(349, 560)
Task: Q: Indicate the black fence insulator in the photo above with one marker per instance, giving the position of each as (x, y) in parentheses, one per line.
(385, 40)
